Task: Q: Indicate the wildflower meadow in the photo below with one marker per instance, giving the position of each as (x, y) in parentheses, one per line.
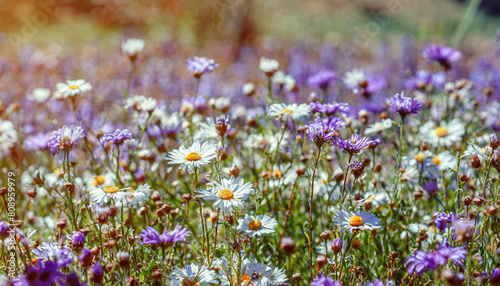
(145, 162)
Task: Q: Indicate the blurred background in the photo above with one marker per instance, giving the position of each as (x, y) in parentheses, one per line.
(198, 24)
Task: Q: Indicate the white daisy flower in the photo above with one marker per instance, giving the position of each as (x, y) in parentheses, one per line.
(285, 112)
(72, 88)
(354, 78)
(104, 195)
(141, 103)
(193, 157)
(193, 275)
(378, 127)
(444, 134)
(39, 95)
(444, 160)
(206, 130)
(257, 225)
(132, 47)
(268, 66)
(358, 220)
(475, 150)
(229, 194)
(248, 89)
(8, 136)
(252, 274)
(138, 196)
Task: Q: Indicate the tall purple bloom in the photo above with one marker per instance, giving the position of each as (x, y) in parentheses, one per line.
(4, 230)
(322, 79)
(317, 133)
(440, 220)
(117, 137)
(322, 280)
(65, 139)
(405, 105)
(329, 109)
(167, 238)
(422, 260)
(442, 54)
(78, 240)
(197, 66)
(353, 145)
(495, 277)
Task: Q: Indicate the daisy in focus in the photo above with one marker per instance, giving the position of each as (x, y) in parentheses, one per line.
(193, 157)
(257, 225)
(104, 195)
(284, 112)
(444, 134)
(194, 275)
(357, 220)
(229, 194)
(72, 88)
(137, 197)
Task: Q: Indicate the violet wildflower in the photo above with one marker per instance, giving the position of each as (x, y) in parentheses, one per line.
(117, 137)
(495, 277)
(422, 260)
(96, 273)
(377, 282)
(330, 109)
(322, 280)
(167, 238)
(198, 66)
(422, 79)
(45, 274)
(322, 79)
(78, 240)
(4, 230)
(353, 145)
(53, 252)
(440, 220)
(442, 54)
(85, 258)
(455, 254)
(317, 133)
(65, 139)
(337, 245)
(357, 169)
(39, 141)
(431, 187)
(405, 105)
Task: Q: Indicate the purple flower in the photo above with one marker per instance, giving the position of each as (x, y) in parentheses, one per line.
(53, 252)
(337, 245)
(77, 240)
(86, 257)
(197, 66)
(422, 260)
(405, 105)
(455, 254)
(495, 277)
(442, 54)
(39, 141)
(317, 133)
(322, 79)
(424, 78)
(440, 220)
(430, 187)
(329, 109)
(96, 273)
(117, 137)
(353, 145)
(322, 280)
(65, 139)
(4, 230)
(167, 238)
(45, 274)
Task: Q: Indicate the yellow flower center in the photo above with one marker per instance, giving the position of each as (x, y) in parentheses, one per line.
(99, 180)
(419, 158)
(187, 282)
(289, 111)
(441, 131)
(193, 156)
(110, 189)
(254, 224)
(131, 190)
(245, 280)
(73, 87)
(226, 194)
(356, 221)
(436, 161)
